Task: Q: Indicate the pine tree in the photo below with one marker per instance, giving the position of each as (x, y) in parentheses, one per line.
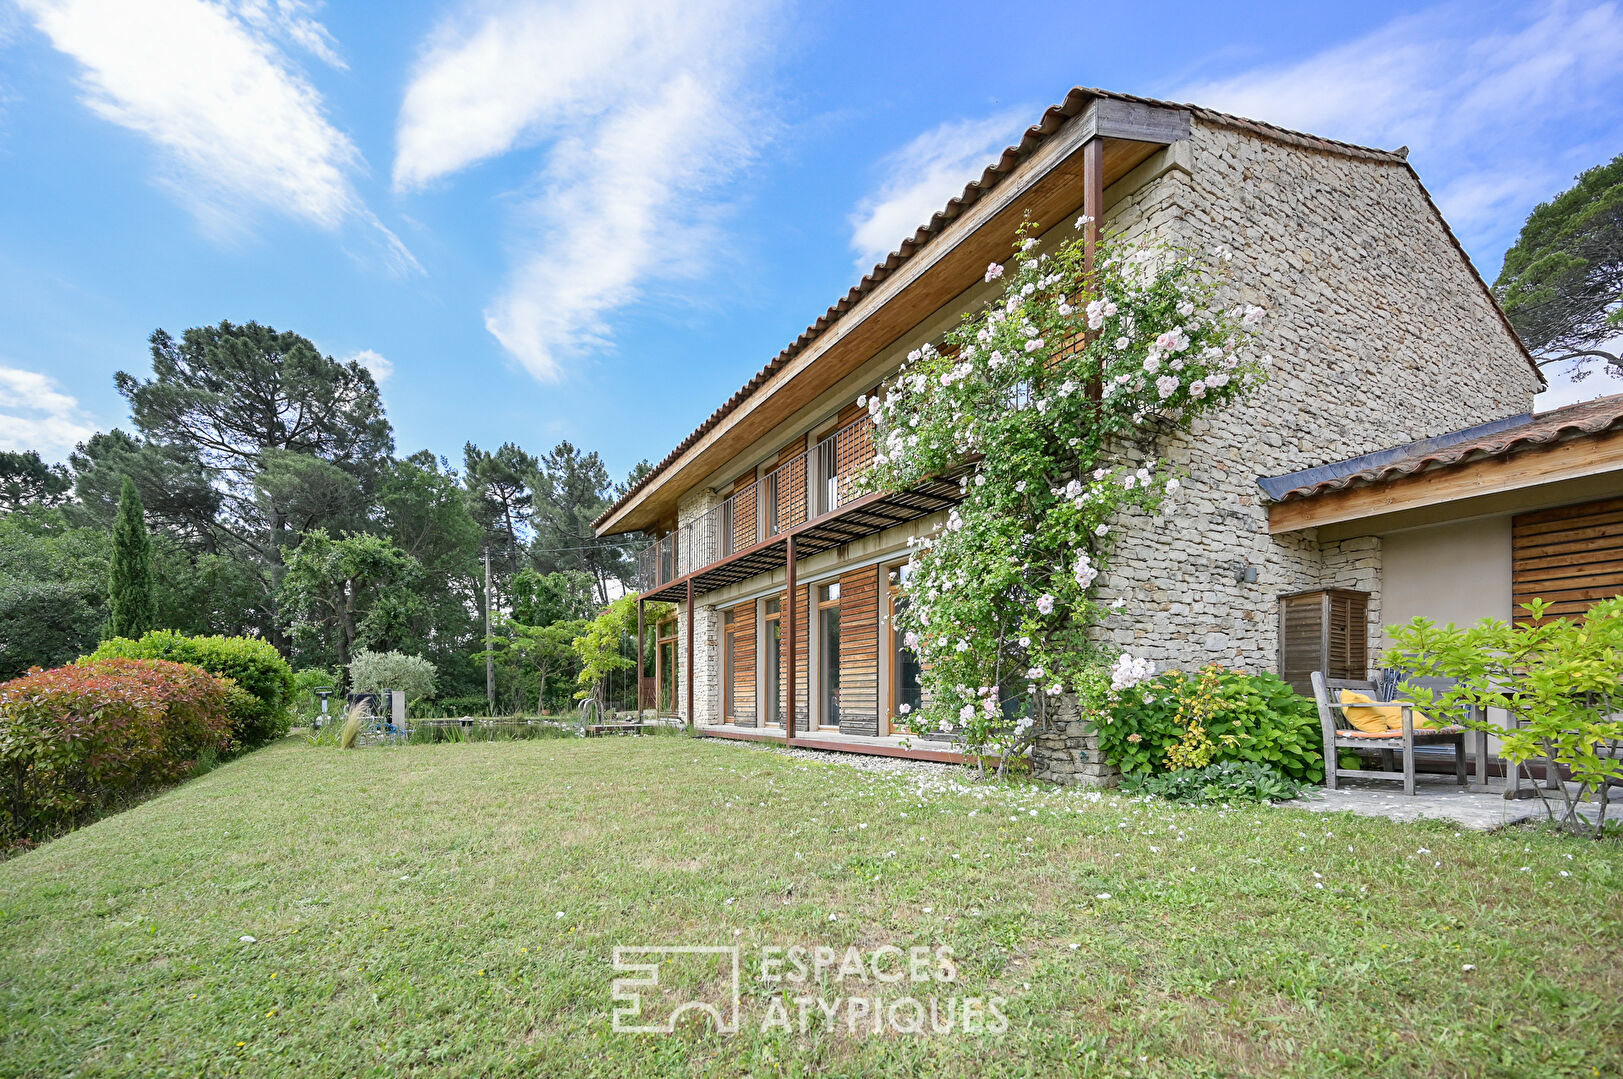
(130, 605)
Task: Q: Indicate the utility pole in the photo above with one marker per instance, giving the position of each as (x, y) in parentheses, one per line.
(490, 660)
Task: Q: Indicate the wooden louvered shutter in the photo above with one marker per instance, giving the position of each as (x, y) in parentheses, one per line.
(741, 669)
(1323, 630)
(859, 651)
(1570, 557)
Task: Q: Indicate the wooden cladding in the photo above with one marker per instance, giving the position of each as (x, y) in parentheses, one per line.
(859, 651)
(1324, 630)
(743, 523)
(740, 666)
(1570, 557)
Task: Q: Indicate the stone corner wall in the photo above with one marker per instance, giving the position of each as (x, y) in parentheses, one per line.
(1066, 749)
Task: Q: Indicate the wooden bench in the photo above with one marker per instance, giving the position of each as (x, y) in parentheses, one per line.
(1342, 735)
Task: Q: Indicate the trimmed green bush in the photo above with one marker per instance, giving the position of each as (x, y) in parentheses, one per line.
(1177, 721)
(77, 739)
(263, 715)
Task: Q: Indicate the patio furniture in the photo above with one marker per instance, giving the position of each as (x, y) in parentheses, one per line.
(1340, 734)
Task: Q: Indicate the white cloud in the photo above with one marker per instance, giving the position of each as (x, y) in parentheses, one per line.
(923, 175)
(639, 116)
(240, 128)
(381, 366)
(1495, 102)
(36, 415)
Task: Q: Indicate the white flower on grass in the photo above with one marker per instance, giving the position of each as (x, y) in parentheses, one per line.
(558, 914)
(245, 939)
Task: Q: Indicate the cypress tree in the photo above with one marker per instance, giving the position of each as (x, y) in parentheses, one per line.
(130, 606)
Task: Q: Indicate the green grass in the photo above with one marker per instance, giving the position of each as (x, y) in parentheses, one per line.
(405, 902)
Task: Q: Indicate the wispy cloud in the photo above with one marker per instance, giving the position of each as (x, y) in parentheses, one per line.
(240, 128)
(35, 414)
(638, 116)
(923, 175)
(1501, 106)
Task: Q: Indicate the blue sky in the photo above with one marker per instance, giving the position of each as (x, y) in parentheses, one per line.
(594, 220)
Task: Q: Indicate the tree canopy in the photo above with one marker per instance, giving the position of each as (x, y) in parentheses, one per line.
(1562, 282)
(274, 507)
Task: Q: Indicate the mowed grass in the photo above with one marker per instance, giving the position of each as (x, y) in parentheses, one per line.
(452, 910)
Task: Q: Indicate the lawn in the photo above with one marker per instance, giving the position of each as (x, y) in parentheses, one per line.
(453, 910)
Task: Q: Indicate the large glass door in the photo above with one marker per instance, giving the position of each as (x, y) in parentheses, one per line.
(772, 664)
(828, 654)
(729, 664)
(906, 673)
(665, 667)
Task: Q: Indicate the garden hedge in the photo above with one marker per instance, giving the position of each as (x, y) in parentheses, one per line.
(76, 739)
(255, 665)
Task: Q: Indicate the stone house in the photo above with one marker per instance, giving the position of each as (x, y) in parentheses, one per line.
(1364, 484)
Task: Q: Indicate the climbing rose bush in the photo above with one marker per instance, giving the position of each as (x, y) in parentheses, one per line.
(1049, 402)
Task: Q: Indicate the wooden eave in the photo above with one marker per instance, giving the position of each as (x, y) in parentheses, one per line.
(1047, 185)
(1573, 459)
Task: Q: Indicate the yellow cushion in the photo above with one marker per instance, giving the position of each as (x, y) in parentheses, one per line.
(1387, 717)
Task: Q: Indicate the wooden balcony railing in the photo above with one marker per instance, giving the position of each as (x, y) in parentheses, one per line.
(809, 485)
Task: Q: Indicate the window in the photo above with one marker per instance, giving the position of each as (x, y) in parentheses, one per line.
(772, 664)
(828, 649)
(906, 673)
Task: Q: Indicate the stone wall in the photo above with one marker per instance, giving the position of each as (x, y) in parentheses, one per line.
(706, 670)
(1066, 749)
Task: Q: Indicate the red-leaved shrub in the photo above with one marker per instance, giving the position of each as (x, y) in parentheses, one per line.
(76, 738)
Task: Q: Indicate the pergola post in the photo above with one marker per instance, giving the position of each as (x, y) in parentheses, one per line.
(639, 660)
(1093, 208)
(1093, 200)
(690, 654)
(789, 574)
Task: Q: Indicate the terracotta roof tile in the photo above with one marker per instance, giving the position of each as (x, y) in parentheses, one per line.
(1500, 438)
